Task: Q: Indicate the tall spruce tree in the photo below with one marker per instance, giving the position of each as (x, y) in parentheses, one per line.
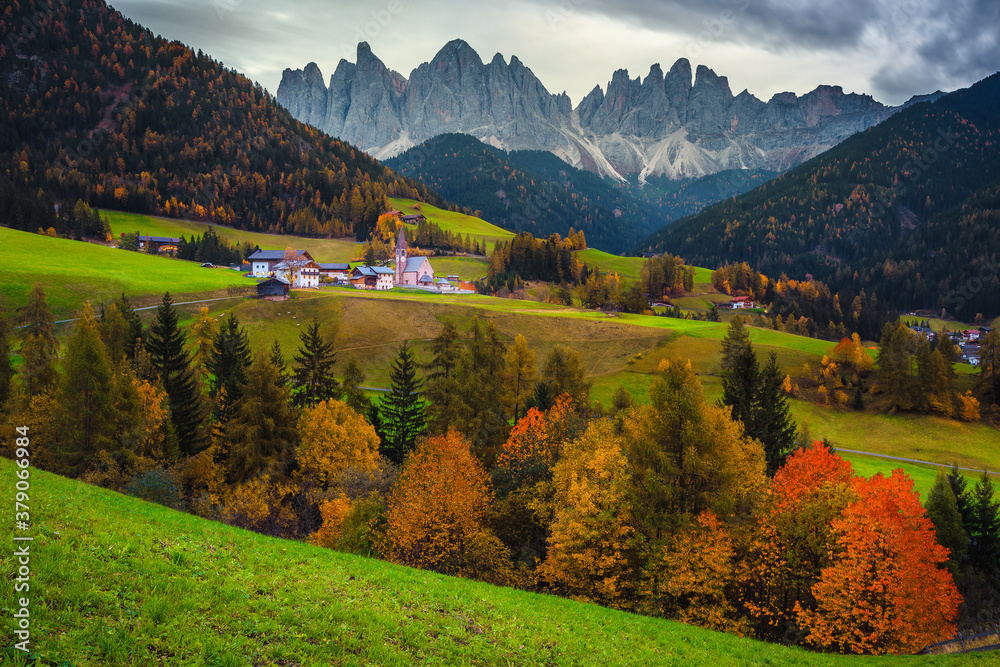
(984, 527)
(277, 358)
(959, 486)
(314, 381)
(895, 366)
(402, 408)
(39, 347)
(737, 339)
(774, 426)
(444, 399)
(354, 395)
(165, 345)
(942, 509)
(740, 386)
(261, 433)
(88, 422)
(228, 362)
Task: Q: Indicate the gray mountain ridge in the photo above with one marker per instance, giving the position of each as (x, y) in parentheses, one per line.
(663, 124)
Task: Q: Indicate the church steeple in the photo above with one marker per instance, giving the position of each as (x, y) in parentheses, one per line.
(400, 256)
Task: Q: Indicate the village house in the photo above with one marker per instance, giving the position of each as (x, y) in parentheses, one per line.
(335, 272)
(738, 303)
(411, 270)
(414, 218)
(262, 262)
(299, 273)
(372, 277)
(164, 244)
(273, 289)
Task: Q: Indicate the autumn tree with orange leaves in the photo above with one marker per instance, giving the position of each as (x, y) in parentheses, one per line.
(887, 590)
(436, 512)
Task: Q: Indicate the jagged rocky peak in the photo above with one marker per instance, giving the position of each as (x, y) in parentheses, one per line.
(682, 122)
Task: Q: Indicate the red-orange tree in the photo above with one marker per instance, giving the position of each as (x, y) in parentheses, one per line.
(783, 553)
(887, 590)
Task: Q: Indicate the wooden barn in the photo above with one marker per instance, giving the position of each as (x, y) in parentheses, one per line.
(273, 289)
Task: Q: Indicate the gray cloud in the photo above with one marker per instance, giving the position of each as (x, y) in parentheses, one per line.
(890, 48)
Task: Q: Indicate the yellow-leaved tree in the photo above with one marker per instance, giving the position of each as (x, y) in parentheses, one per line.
(589, 554)
(333, 437)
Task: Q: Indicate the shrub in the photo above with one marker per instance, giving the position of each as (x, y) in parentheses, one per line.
(156, 486)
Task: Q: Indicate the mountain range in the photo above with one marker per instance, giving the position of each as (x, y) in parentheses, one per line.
(908, 210)
(673, 123)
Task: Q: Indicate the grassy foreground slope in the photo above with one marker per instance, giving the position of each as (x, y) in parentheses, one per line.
(73, 271)
(117, 581)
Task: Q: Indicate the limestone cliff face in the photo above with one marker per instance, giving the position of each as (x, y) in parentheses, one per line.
(664, 124)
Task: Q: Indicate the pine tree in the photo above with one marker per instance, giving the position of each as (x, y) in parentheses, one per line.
(277, 358)
(740, 386)
(402, 408)
(958, 485)
(228, 362)
(773, 425)
(354, 396)
(737, 339)
(165, 345)
(564, 374)
(7, 371)
(895, 376)
(942, 508)
(314, 380)
(984, 527)
(136, 335)
(261, 433)
(444, 399)
(39, 347)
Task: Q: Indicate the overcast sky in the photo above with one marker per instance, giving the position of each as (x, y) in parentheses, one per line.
(891, 49)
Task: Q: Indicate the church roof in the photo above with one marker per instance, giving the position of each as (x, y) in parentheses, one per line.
(401, 241)
(425, 279)
(413, 264)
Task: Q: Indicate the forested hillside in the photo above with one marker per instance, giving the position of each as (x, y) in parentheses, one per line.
(527, 191)
(903, 210)
(98, 109)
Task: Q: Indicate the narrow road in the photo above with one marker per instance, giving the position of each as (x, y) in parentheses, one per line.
(899, 458)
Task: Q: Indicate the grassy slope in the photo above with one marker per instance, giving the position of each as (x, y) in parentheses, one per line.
(72, 271)
(322, 250)
(629, 267)
(117, 581)
(452, 221)
(615, 351)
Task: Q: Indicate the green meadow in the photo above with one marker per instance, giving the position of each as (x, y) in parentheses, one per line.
(322, 250)
(73, 271)
(453, 221)
(119, 581)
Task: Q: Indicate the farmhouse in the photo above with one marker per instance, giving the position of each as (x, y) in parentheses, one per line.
(299, 273)
(263, 262)
(410, 271)
(414, 219)
(273, 289)
(738, 302)
(372, 277)
(163, 244)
